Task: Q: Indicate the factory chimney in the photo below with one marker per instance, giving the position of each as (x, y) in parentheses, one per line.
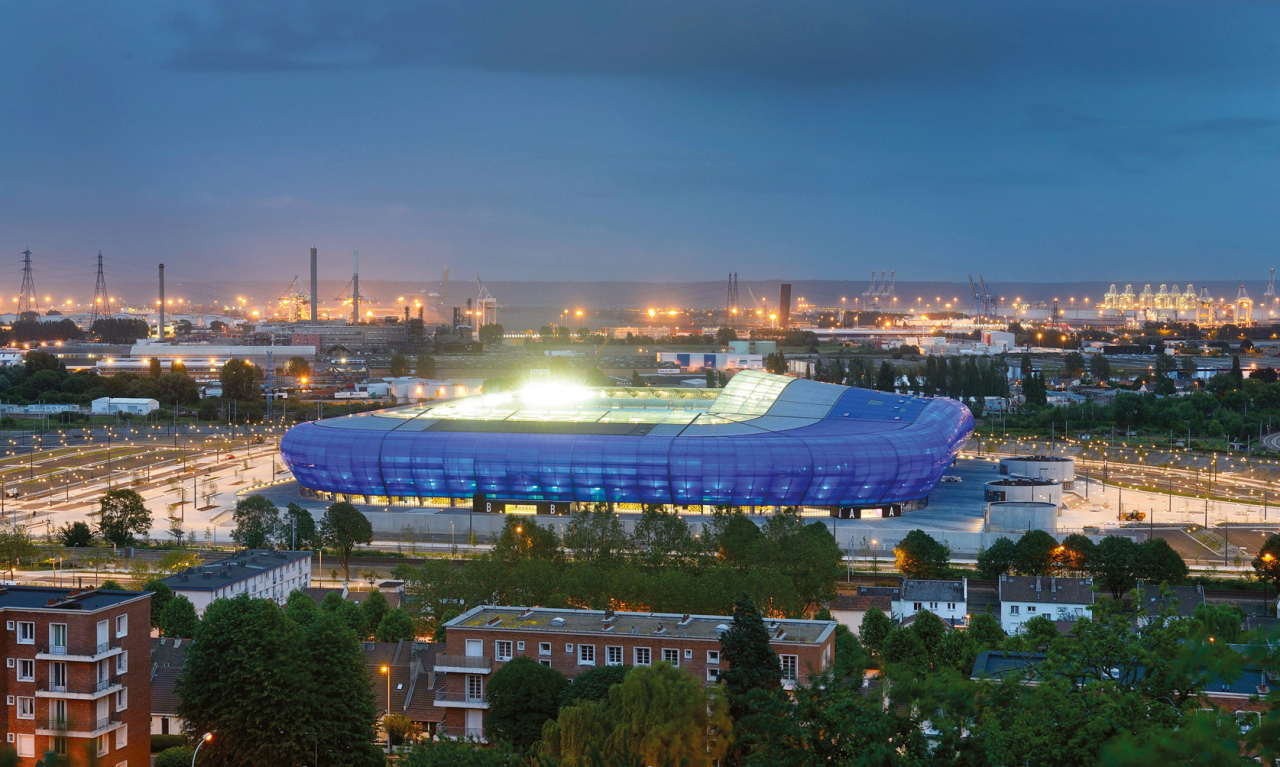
(784, 306)
(355, 290)
(315, 294)
(160, 327)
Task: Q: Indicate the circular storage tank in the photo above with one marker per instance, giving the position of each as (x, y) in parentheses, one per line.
(1053, 467)
(1020, 516)
(1022, 489)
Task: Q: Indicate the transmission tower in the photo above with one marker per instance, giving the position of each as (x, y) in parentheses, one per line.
(27, 298)
(100, 309)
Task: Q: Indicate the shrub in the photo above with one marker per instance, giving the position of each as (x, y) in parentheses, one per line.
(162, 742)
(178, 756)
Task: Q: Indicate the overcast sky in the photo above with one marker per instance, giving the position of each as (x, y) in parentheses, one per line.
(655, 139)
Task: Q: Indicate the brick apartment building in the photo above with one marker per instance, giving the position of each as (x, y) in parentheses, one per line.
(480, 640)
(77, 676)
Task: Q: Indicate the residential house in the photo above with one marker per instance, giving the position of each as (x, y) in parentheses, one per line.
(167, 658)
(1023, 597)
(949, 600)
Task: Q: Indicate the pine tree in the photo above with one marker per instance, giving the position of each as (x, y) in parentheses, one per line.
(344, 711)
(752, 663)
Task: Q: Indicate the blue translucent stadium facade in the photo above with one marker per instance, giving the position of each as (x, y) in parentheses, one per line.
(763, 440)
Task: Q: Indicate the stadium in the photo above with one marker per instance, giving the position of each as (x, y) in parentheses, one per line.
(762, 441)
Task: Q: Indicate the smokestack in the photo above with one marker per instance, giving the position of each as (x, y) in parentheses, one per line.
(160, 328)
(315, 293)
(355, 290)
(784, 306)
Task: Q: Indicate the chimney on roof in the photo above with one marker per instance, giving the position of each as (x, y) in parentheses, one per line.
(527, 612)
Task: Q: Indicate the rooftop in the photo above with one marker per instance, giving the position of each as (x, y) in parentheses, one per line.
(49, 598)
(933, 591)
(561, 621)
(1033, 588)
(233, 569)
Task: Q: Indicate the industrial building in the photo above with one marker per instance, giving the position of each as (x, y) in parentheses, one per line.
(762, 441)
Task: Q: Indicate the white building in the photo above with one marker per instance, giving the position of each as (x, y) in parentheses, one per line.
(260, 574)
(1023, 597)
(949, 600)
(126, 405)
(414, 389)
(691, 361)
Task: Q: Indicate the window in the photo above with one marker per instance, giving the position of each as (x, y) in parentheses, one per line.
(26, 670)
(475, 687)
(568, 648)
(1031, 608)
(26, 708)
(26, 745)
(951, 605)
(122, 626)
(790, 663)
(104, 745)
(916, 605)
(502, 649)
(586, 655)
(26, 632)
(58, 638)
(545, 662)
(612, 656)
(60, 746)
(643, 656)
(713, 657)
(520, 646)
(688, 654)
(933, 605)
(544, 648)
(58, 677)
(122, 737)
(671, 656)
(713, 675)
(122, 699)
(122, 662)
(1013, 609)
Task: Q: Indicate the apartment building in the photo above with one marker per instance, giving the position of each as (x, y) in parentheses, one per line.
(260, 573)
(480, 640)
(77, 675)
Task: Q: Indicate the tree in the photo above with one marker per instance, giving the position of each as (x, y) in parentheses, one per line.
(636, 380)
(1236, 372)
(723, 337)
(348, 612)
(1266, 563)
(15, 545)
(985, 630)
(593, 684)
(525, 539)
(1035, 552)
(301, 608)
(522, 695)
(1157, 562)
(395, 626)
(399, 365)
(1076, 555)
(297, 528)
(775, 362)
(753, 665)
(448, 752)
(297, 367)
(343, 528)
(178, 756)
(178, 619)
(343, 699)
(400, 728)
(997, 560)
(1100, 368)
(161, 596)
(257, 520)
(596, 536)
(664, 715)
(240, 381)
(1073, 362)
(426, 366)
(919, 555)
(75, 534)
(875, 629)
(886, 379)
(491, 334)
(1113, 564)
(247, 678)
(373, 608)
(123, 517)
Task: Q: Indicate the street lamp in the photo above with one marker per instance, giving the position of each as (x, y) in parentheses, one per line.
(387, 670)
(208, 736)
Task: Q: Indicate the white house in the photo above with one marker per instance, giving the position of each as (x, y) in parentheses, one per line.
(1023, 597)
(126, 405)
(949, 600)
(261, 574)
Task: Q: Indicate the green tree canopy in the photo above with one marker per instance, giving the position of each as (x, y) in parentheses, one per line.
(301, 608)
(1000, 558)
(523, 694)
(240, 381)
(753, 665)
(257, 520)
(1035, 550)
(123, 517)
(593, 684)
(919, 555)
(396, 625)
(343, 695)
(74, 534)
(399, 365)
(178, 619)
(161, 596)
(343, 528)
(297, 528)
(523, 538)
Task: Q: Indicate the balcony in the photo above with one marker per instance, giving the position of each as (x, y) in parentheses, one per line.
(446, 699)
(82, 691)
(463, 664)
(76, 727)
(77, 652)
